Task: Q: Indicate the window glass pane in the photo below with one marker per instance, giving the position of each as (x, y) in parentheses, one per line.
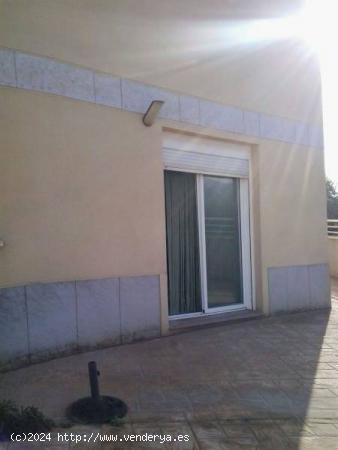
(222, 236)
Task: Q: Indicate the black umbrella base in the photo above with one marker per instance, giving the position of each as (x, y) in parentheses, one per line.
(104, 410)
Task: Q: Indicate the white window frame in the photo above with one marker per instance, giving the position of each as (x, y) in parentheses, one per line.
(245, 229)
(244, 247)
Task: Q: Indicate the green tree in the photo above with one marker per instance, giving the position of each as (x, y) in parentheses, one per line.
(332, 200)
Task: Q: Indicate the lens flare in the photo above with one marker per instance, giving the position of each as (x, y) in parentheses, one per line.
(319, 28)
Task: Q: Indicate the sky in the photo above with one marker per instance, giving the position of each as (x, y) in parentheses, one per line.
(320, 29)
(329, 71)
(316, 23)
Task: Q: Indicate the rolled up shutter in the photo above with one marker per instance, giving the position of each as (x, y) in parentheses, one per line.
(202, 155)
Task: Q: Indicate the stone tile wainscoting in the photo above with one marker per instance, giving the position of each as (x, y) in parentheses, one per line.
(294, 288)
(26, 71)
(39, 321)
(333, 256)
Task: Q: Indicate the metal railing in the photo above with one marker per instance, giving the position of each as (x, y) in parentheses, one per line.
(332, 227)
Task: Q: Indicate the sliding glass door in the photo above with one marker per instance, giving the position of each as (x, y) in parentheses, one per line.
(222, 241)
(208, 250)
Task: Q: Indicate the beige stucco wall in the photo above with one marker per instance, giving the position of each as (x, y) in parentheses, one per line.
(81, 191)
(333, 256)
(82, 194)
(292, 204)
(216, 49)
(292, 207)
(81, 184)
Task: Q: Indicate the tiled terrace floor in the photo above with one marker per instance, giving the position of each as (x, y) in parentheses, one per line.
(265, 384)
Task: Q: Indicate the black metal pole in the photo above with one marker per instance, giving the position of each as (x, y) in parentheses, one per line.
(93, 380)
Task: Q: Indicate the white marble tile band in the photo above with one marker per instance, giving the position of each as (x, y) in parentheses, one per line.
(22, 70)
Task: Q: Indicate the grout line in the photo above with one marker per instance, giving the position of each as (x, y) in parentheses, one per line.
(15, 69)
(243, 122)
(120, 315)
(27, 323)
(94, 86)
(309, 299)
(179, 109)
(199, 112)
(76, 314)
(121, 93)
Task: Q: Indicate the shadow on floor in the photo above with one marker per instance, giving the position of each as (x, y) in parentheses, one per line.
(267, 384)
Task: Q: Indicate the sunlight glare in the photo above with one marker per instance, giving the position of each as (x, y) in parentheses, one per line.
(316, 24)
(317, 20)
(319, 27)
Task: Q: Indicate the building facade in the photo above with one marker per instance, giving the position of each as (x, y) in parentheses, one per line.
(112, 229)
